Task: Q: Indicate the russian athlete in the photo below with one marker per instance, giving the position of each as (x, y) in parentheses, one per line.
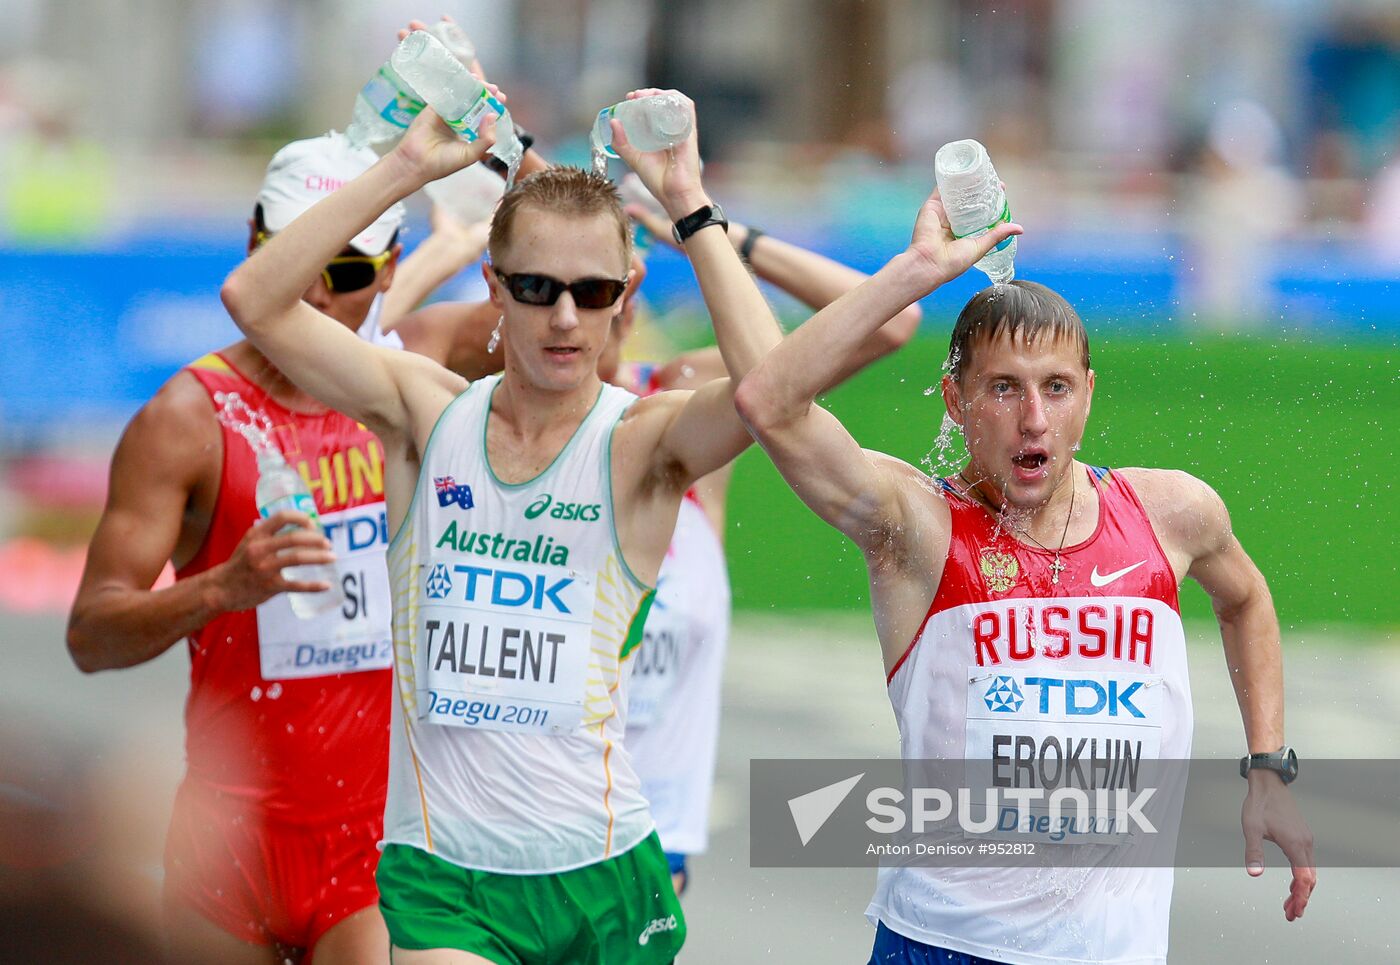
(272, 842)
(1025, 566)
(531, 512)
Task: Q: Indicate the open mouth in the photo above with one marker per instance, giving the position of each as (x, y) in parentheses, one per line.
(1032, 462)
(563, 351)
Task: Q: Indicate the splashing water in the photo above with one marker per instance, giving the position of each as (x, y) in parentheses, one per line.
(948, 453)
(254, 425)
(946, 456)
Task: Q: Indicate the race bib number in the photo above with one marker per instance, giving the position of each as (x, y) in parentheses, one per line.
(504, 648)
(356, 636)
(1038, 736)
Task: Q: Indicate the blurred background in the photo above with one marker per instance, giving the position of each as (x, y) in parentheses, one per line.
(1216, 188)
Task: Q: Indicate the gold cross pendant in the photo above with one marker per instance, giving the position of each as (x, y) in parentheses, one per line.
(1055, 569)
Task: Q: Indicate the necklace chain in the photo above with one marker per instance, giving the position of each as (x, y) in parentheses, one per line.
(1056, 567)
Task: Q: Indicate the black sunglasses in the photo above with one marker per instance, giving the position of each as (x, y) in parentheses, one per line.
(531, 289)
(347, 273)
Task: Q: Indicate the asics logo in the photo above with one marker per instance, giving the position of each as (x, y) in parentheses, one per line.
(1108, 578)
(668, 923)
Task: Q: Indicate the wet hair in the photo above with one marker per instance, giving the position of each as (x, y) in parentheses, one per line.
(569, 191)
(1017, 309)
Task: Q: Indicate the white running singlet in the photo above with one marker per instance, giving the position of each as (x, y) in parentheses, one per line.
(515, 621)
(1008, 658)
(673, 716)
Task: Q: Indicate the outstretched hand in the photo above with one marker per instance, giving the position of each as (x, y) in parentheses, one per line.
(671, 175)
(945, 256)
(1271, 814)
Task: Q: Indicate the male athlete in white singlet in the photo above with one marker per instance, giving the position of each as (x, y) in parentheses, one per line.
(531, 514)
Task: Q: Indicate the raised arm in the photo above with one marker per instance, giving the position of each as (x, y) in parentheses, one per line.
(704, 432)
(811, 278)
(169, 452)
(452, 245)
(321, 356)
(851, 489)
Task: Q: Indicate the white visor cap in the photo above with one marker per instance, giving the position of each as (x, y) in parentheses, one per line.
(304, 172)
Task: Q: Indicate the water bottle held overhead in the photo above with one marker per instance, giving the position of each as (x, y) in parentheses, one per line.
(652, 123)
(455, 93)
(455, 39)
(975, 202)
(281, 487)
(387, 104)
(459, 98)
(384, 108)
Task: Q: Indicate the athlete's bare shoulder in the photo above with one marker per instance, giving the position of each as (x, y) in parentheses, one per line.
(921, 540)
(1186, 513)
(170, 459)
(651, 414)
(179, 420)
(643, 425)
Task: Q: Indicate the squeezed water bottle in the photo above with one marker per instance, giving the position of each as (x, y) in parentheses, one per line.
(975, 202)
(454, 92)
(281, 487)
(384, 108)
(652, 124)
(387, 104)
(455, 39)
(469, 195)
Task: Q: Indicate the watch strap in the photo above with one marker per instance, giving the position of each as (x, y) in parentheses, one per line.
(710, 214)
(1283, 762)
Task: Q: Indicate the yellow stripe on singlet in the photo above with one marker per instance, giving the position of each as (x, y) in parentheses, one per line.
(211, 363)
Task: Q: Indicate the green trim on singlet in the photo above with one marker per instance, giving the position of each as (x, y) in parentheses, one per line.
(486, 453)
(612, 507)
(422, 466)
(638, 624)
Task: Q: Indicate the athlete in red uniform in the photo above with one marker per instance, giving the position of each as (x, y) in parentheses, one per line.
(1026, 561)
(272, 844)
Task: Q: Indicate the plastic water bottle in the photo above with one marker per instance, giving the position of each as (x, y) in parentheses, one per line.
(975, 202)
(652, 124)
(455, 39)
(384, 108)
(469, 195)
(387, 104)
(281, 487)
(454, 92)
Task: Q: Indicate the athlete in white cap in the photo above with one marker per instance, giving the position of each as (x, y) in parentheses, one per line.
(531, 514)
(272, 844)
(989, 587)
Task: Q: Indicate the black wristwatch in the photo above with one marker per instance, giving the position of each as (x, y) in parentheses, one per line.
(697, 219)
(1284, 761)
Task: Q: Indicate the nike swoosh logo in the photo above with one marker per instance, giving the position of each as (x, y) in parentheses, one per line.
(1108, 578)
